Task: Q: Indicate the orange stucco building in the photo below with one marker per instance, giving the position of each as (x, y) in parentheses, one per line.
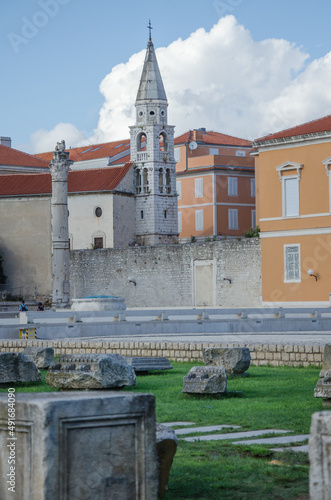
(293, 208)
(215, 184)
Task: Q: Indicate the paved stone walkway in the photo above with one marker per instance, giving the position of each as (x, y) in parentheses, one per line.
(188, 429)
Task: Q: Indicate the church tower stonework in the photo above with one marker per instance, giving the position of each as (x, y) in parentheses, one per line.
(152, 152)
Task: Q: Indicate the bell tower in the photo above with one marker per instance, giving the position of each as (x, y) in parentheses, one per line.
(152, 152)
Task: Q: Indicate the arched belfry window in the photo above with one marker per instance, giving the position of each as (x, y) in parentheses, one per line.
(138, 181)
(145, 181)
(161, 181)
(163, 142)
(168, 181)
(141, 141)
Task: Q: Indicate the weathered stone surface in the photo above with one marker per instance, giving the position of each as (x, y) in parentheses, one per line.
(99, 303)
(146, 364)
(16, 367)
(205, 380)
(81, 445)
(91, 371)
(323, 389)
(166, 446)
(236, 360)
(326, 365)
(320, 456)
(43, 357)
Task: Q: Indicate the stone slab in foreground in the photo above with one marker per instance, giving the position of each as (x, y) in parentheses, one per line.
(81, 445)
(320, 456)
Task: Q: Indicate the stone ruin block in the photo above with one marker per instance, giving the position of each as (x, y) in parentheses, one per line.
(80, 445)
(320, 456)
(143, 365)
(16, 367)
(323, 389)
(326, 364)
(236, 360)
(166, 446)
(205, 380)
(43, 357)
(91, 371)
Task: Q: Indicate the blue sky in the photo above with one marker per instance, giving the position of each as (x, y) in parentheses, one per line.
(56, 53)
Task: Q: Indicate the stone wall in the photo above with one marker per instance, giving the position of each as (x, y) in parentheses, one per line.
(25, 244)
(261, 354)
(165, 276)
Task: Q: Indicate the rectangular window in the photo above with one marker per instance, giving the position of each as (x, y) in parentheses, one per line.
(232, 186)
(198, 187)
(253, 219)
(180, 227)
(290, 196)
(253, 187)
(179, 189)
(233, 218)
(292, 263)
(213, 151)
(199, 220)
(98, 243)
(177, 154)
(240, 152)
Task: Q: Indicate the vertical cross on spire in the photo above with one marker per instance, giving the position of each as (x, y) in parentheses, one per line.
(150, 30)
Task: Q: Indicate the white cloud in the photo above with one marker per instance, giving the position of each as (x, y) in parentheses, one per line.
(45, 140)
(222, 80)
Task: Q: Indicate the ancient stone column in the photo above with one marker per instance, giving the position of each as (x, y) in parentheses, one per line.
(59, 168)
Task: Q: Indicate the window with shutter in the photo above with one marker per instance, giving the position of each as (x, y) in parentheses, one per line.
(292, 263)
(290, 196)
(179, 189)
(233, 218)
(180, 228)
(198, 187)
(199, 220)
(232, 186)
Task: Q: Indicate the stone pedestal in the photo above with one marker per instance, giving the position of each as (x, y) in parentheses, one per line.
(78, 445)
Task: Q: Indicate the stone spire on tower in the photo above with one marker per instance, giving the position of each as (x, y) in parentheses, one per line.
(151, 85)
(152, 151)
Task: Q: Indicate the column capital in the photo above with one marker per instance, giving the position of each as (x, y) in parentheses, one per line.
(60, 164)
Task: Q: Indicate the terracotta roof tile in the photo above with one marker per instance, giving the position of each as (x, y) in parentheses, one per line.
(94, 151)
(105, 179)
(313, 127)
(214, 138)
(10, 156)
(111, 149)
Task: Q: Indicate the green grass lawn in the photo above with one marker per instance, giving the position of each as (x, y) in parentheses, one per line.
(271, 398)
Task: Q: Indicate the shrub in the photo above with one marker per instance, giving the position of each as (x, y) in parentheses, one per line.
(252, 233)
